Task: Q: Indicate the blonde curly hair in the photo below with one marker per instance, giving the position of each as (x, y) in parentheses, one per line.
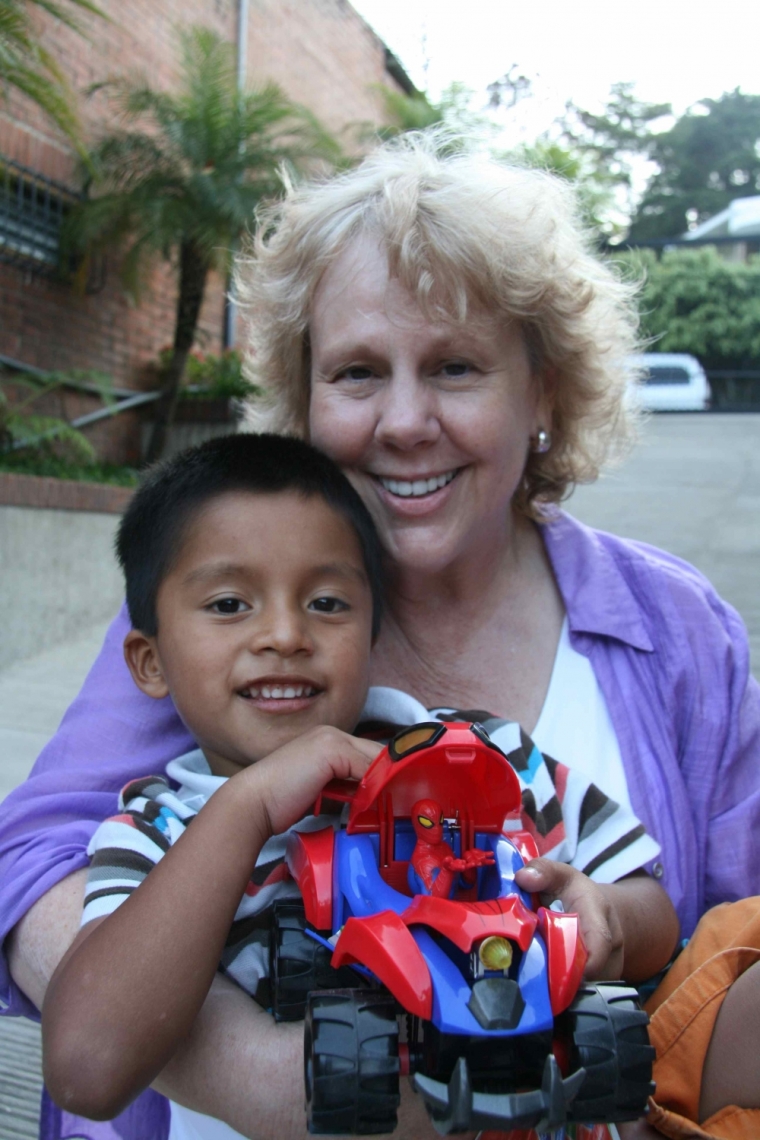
(460, 232)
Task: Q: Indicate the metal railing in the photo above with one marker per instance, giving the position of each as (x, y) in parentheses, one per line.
(32, 210)
(116, 400)
(735, 389)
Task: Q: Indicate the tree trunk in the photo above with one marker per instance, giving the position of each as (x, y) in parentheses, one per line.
(193, 272)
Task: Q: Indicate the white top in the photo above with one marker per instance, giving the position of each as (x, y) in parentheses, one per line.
(575, 726)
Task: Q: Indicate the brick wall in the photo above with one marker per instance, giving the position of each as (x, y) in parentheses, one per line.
(320, 51)
(324, 55)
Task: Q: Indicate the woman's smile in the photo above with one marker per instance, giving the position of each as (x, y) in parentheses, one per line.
(415, 486)
(414, 496)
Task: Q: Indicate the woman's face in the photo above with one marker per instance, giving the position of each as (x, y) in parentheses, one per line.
(430, 421)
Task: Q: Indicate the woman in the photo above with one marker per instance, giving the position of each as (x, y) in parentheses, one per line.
(440, 328)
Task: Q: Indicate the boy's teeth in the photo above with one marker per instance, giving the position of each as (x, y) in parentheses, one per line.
(280, 692)
(419, 487)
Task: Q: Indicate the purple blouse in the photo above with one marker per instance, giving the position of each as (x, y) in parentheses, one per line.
(672, 661)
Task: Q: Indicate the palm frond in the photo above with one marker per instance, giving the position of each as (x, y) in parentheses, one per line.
(27, 66)
(60, 11)
(195, 162)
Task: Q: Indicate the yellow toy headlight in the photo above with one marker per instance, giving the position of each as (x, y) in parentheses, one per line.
(495, 953)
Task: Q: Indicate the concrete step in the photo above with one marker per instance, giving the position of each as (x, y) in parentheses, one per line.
(20, 1079)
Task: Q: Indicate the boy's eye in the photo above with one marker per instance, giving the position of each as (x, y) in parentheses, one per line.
(229, 606)
(328, 605)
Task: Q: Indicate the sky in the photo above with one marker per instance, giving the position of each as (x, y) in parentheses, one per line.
(673, 50)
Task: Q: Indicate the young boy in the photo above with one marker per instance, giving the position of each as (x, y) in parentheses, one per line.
(254, 589)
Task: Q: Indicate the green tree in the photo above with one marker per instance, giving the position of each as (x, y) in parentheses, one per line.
(695, 301)
(593, 187)
(710, 156)
(26, 65)
(610, 142)
(182, 176)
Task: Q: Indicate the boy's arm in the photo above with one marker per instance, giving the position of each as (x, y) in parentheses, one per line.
(130, 987)
(630, 927)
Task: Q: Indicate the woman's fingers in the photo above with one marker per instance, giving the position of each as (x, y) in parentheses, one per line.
(546, 877)
(605, 947)
(599, 923)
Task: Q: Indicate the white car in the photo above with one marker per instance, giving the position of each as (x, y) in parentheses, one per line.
(670, 382)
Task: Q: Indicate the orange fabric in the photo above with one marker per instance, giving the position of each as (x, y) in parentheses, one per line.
(683, 1010)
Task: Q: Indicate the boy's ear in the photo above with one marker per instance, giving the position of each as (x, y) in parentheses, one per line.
(141, 656)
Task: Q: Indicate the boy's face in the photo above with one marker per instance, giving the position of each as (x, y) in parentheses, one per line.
(264, 626)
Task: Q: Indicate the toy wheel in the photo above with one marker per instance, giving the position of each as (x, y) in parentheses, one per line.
(298, 963)
(610, 1040)
(351, 1065)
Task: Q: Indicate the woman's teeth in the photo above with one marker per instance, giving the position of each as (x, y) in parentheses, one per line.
(279, 692)
(418, 486)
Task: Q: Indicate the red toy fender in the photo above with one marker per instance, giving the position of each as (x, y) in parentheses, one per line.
(465, 923)
(525, 844)
(384, 944)
(566, 956)
(309, 856)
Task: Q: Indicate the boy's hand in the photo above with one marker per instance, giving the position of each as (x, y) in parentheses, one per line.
(600, 922)
(288, 781)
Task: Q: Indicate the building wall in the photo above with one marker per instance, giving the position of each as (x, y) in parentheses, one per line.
(59, 576)
(324, 55)
(320, 52)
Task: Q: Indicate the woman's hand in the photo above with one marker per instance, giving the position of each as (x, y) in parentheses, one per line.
(630, 927)
(600, 922)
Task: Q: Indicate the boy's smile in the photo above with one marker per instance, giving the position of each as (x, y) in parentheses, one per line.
(264, 626)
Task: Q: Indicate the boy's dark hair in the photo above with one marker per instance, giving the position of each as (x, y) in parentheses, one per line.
(154, 524)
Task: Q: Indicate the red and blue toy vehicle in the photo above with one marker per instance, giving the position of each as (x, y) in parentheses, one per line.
(416, 953)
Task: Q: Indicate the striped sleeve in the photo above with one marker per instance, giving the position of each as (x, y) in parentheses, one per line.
(571, 820)
(125, 847)
(603, 839)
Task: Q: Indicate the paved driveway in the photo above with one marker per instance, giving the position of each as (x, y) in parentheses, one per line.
(692, 486)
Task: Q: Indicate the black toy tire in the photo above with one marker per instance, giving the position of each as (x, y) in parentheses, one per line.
(298, 963)
(351, 1065)
(610, 1040)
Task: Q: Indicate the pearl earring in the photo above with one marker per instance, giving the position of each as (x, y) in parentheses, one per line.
(542, 442)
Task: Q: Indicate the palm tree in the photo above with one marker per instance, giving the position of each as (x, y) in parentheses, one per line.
(182, 176)
(27, 66)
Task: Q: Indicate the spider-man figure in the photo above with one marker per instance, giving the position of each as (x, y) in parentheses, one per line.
(433, 868)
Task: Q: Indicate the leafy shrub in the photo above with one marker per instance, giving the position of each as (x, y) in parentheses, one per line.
(697, 302)
(26, 431)
(213, 377)
(53, 466)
